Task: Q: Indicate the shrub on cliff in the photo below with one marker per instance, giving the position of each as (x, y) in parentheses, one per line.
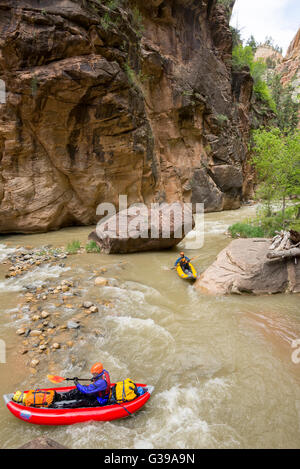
(263, 93)
(244, 57)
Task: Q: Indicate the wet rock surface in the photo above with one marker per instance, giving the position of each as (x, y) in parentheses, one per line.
(24, 260)
(42, 443)
(52, 318)
(243, 267)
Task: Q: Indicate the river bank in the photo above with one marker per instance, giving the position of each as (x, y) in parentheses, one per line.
(221, 366)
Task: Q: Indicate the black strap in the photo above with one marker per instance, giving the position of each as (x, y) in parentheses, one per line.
(39, 391)
(129, 413)
(123, 392)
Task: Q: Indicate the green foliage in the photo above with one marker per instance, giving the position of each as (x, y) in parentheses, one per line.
(236, 36)
(136, 79)
(131, 75)
(252, 43)
(276, 221)
(187, 93)
(270, 63)
(113, 4)
(106, 21)
(267, 85)
(73, 247)
(266, 223)
(258, 69)
(138, 21)
(222, 119)
(287, 108)
(263, 93)
(244, 57)
(269, 41)
(277, 162)
(92, 247)
(246, 230)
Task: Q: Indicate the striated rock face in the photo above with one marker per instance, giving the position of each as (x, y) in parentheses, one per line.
(289, 68)
(137, 99)
(243, 267)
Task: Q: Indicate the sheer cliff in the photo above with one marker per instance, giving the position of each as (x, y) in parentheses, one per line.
(117, 97)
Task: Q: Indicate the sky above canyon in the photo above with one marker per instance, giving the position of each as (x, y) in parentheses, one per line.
(279, 19)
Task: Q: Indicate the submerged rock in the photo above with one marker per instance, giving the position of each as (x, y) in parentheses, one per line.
(100, 281)
(243, 267)
(35, 362)
(35, 333)
(73, 325)
(56, 346)
(42, 443)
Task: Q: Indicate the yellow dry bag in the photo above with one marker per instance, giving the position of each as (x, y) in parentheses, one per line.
(124, 391)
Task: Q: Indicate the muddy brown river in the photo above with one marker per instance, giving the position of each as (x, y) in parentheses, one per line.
(222, 366)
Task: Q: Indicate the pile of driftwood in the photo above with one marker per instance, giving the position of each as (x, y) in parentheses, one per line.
(285, 244)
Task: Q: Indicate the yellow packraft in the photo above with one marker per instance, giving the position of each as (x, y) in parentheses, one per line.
(124, 391)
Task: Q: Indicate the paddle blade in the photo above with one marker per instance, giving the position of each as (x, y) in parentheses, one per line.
(55, 379)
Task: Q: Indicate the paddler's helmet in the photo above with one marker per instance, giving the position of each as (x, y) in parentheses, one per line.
(19, 397)
(97, 368)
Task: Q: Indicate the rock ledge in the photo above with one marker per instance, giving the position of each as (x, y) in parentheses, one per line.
(243, 267)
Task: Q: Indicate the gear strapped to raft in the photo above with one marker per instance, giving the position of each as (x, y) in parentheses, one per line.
(35, 398)
(124, 391)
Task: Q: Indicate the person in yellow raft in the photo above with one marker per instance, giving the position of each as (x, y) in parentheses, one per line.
(184, 263)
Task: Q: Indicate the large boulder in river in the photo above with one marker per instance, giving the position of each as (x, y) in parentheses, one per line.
(243, 267)
(140, 228)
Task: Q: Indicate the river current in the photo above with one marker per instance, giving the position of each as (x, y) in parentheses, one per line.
(222, 366)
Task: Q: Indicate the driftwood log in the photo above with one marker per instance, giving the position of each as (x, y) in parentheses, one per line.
(294, 252)
(285, 245)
